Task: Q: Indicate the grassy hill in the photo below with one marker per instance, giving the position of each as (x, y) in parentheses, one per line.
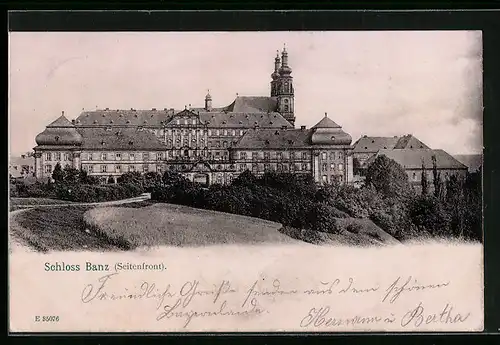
(176, 225)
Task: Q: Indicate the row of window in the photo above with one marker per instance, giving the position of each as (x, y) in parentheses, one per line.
(118, 168)
(210, 132)
(56, 156)
(268, 154)
(333, 179)
(333, 155)
(130, 156)
(324, 167)
(279, 167)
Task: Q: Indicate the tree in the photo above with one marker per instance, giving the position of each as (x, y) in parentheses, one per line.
(71, 175)
(424, 183)
(246, 178)
(58, 174)
(111, 180)
(171, 178)
(388, 177)
(438, 183)
(85, 178)
(134, 177)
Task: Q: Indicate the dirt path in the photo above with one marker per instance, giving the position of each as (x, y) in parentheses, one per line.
(17, 245)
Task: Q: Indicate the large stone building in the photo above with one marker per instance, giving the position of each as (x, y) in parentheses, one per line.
(207, 144)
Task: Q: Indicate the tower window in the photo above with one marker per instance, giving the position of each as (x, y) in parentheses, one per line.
(286, 107)
(286, 100)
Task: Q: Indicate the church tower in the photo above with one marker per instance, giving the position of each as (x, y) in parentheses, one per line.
(282, 86)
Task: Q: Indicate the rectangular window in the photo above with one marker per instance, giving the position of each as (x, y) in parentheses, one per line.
(339, 155)
(118, 168)
(254, 155)
(48, 168)
(131, 168)
(243, 155)
(332, 155)
(57, 156)
(145, 168)
(159, 156)
(285, 167)
(158, 169)
(104, 156)
(323, 155)
(304, 166)
(91, 168)
(267, 167)
(209, 132)
(48, 156)
(324, 167)
(217, 154)
(298, 167)
(325, 179)
(217, 132)
(332, 166)
(241, 132)
(225, 132)
(292, 155)
(91, 156)
(66, 157)
(304, 155)
(118, 156)
(279, 155)
(131, 156)
(104, 168)
(279, 167)
(145, 156)
(233, 133)
(267, 155)
(341, 166)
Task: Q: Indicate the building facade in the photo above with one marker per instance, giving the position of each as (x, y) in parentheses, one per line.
(207, 144)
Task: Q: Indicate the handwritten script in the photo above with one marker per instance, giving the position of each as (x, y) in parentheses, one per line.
(191, 301)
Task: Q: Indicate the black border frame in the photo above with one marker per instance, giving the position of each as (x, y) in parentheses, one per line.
(485, 20)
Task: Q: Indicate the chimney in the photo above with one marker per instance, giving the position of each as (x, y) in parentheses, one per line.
(256, 127)
(106, 109)
(284, 127)
(302, 128)
(73, 121)
(62, 113)
(154, 109)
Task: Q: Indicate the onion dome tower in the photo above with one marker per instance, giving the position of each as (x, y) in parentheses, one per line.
(61, 132)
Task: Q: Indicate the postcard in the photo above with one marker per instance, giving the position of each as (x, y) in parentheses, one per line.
(245, 181)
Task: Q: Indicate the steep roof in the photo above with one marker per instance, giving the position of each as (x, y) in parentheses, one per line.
(125, 117)
(413, 158)
(253, 104)
(275, 138)
(245, 120)
(326, 122)
(61, 121)
(120, 139)
(473, 161)
(367, 144)
(410, 142)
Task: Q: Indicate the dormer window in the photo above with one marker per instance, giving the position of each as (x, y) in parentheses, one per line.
(108, 128)
(131, 143)
(111, 121)
(333, 138)
(290, 142)
(103, 143)
(128, 121)
(267, 142)
(57, 138)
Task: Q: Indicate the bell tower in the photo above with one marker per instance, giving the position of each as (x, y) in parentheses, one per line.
(282, 87)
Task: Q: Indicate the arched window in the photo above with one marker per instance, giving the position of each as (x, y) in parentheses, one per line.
(287, 87)
(286, 107)
(186, 153)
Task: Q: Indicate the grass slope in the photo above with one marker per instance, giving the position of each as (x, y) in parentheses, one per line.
(176, 225)
(20, 203)
(58, 228)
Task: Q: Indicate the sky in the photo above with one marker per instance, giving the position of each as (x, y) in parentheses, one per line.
(376, 83)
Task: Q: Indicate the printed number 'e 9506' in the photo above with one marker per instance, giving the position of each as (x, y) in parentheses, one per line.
(39, 318)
